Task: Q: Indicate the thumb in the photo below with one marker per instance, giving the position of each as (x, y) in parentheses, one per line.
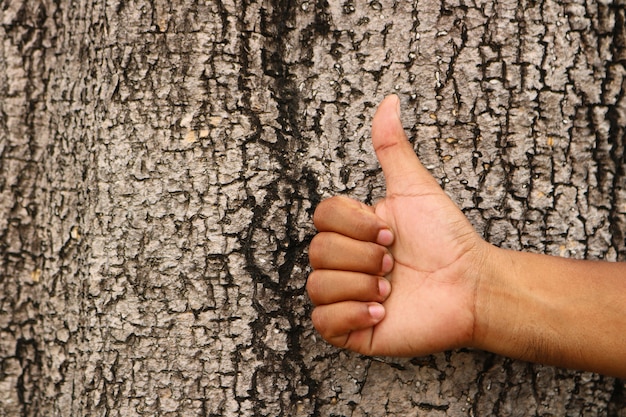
(404, 173)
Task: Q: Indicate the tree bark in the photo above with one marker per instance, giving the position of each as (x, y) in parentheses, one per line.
(160, 162)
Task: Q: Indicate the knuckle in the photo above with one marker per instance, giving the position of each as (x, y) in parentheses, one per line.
(339, 199)
(319, 322)
(317, 214)
(329, 210)
(313, 287)
(316, 249)
(322, 211)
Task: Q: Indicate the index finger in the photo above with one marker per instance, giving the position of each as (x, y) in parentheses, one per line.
(353, 219)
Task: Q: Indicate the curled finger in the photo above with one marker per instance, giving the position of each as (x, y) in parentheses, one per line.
(348, 324)
(335, 251)
(326, 286)
(353, 219)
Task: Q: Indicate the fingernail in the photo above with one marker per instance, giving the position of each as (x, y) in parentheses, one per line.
(376, 311)
(387, 263)
(384, 287)
(385, 237)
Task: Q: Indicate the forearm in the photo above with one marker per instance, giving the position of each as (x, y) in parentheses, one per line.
(552, 310)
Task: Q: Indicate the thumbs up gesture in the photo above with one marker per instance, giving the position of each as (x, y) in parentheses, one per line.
(410, 277)
(399, 278)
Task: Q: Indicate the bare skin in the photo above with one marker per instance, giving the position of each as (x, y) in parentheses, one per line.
(410, 277)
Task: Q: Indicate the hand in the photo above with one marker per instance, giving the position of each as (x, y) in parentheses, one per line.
(400, 278)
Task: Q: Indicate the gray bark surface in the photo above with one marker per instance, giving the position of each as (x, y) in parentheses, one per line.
(160, 162)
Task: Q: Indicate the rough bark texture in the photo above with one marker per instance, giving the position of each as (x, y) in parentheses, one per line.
(160, 161)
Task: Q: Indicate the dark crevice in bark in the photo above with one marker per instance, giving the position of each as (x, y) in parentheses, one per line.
(616, 116)
(293, 190)
(617, 404)
(27, 352)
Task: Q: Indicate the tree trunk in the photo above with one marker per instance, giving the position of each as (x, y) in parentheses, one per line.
(161, 161)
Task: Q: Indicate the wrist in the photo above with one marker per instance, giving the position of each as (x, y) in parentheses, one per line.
(495, 301)
(518, 310)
